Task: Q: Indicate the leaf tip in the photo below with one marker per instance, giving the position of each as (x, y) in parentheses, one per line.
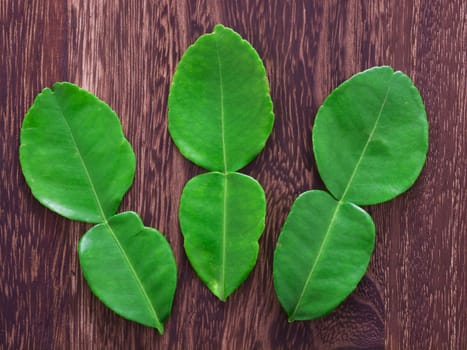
(220, 294)
(60, 84)
(160, 329)
(219, 27)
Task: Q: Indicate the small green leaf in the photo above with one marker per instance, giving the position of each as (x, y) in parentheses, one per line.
(321, 255)
(222, 217)
(220, 111)
(73, 154)
(370, 137)
(130, 268)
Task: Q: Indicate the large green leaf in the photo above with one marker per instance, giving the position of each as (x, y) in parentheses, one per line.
(220, 111)
(222, 217)
(370, 137)
(321, 255)
(74, 155)
(130, 268)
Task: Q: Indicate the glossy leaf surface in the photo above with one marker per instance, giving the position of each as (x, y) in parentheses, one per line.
(322, 253)
(73, 154)
(130, 268)
(370, 137)
(222, 217)
(220, 111)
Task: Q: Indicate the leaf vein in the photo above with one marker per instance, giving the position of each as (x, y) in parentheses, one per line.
(139, 283)
(315, 263)
(83, 162)
(221, 91)
(365, 147)
(101, 211)
(224, 238)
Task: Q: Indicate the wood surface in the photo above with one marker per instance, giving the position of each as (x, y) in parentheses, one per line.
(414, 295)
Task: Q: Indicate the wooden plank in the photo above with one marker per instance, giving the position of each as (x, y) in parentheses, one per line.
(425, 230)
(126, 51)
(35, 268)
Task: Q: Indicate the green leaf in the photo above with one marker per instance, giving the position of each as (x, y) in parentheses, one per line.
(220, 111)
(73, 154)
(321, 254)
(370, 137)
(130, 268)
(222, 217)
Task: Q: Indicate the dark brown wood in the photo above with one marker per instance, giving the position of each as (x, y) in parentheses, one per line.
(414, 295)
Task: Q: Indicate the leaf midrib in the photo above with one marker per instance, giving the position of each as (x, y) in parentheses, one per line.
(83, 163)
(368, 141)
(224, 155)
(224, 240)
(315, 263)
(151, 308)
(221, 89)
(339, 203)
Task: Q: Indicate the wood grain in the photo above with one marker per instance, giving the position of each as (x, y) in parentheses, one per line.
(414, 295)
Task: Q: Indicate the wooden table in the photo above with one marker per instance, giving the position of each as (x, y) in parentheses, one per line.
(414, 295)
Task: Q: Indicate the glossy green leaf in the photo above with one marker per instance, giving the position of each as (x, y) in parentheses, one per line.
(220, 111)
(73, 154)
(130, 268)
(370, 137)
(322, 253)
(222, 217)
